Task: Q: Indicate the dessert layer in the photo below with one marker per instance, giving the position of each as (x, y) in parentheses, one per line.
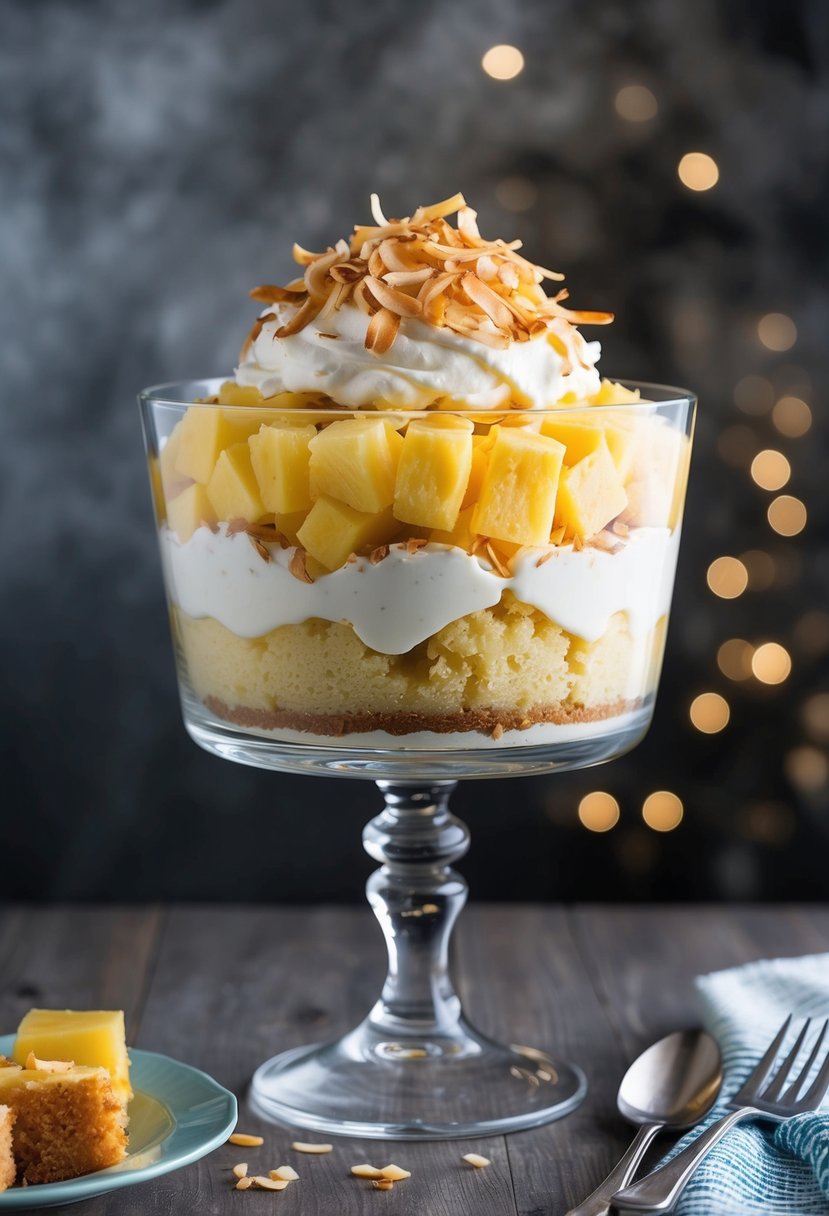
(424, 364)
(493, 722)
(506, 664)
(396, 604)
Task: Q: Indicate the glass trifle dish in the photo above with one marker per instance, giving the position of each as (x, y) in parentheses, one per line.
(418, 537)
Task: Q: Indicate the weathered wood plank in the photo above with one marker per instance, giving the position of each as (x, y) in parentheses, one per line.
(234, 986)
(525, 982)
(80, 957)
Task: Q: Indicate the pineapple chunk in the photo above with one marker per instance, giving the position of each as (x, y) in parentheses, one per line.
(614, 394)
(518, 494)
(579, 437)
(189, 510)
(461, 535)
(622, 440)
(333, 530)
(231, 393)
(590, 494)
(93, 1038)
(205, 432)
(289, 525)
(481, 447)
(233, 490)
(355, 461)
(657, 487)
(171, 479)
(280, 457)
(433, 472)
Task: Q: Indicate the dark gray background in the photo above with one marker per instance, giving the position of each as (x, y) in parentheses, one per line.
(158, 159)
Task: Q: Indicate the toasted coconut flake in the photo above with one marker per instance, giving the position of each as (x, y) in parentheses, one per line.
(33, 1064)
(392, 299)
(414, 543)
(305, 314)
(304, 257)
(377, 211)
(557, 536)
(298, 568)
(300, 1146)
(497, 731)
(244, 1184)
(236, 525)
(285, 1173)
(438, 211)
(366, 1171)
(395, 1173)
(377, 555)
(263, 1183)
(383, 1184)
(381, 332)
(240, 1170)
(263, 552)
(476, 1159)
(424, 267)
(487, 300)
(245, 1141)
(269, 294)
(499, 566)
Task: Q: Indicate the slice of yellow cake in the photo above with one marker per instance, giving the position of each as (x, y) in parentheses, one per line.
(8, 1169)
(66, 1123)
(95, 1038)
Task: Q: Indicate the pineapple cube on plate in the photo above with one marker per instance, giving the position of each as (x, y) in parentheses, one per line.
(518, 494)
(434, 468)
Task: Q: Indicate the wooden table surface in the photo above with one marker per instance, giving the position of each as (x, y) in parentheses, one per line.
(225, 987)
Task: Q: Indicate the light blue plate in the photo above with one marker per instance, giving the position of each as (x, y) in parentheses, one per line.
(178, 1114)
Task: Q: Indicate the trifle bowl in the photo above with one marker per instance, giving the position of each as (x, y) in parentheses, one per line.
(415, 538)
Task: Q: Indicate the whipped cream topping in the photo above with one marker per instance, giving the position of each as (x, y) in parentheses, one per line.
(425, 363)
(408, 597)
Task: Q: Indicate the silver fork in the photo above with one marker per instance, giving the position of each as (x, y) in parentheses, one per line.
(659, 1190)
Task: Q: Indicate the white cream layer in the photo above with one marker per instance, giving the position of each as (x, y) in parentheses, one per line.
(408, 597)
(424, 364)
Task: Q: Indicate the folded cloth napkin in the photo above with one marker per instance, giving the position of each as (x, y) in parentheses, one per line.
(761, 1168)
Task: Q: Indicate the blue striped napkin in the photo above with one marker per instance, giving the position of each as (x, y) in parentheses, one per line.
(761, 1168)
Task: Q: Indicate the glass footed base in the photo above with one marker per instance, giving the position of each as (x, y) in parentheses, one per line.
(440, 1087)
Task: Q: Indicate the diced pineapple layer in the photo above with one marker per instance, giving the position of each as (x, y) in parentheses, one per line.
(233, 490)
(580, 438)
(189, 510)
(333, 530)
(434, 468)
(93, 1038)
(590, 494)
(280, 456)
(206, 431)
(518, 495)
(461, 536)
(355, 461)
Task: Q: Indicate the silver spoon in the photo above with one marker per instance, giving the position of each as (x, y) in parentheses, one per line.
(671, 1085)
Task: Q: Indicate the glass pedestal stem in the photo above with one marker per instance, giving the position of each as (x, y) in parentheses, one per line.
(417, 897)
(414, 1069)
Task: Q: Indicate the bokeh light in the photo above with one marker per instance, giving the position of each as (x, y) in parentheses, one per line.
(599, 812)
(771, 663)
(698, 171)
(769, 823)
(807, 768)
(516, 193)
(811, 632)
(662, 811)
(636, 103)
(761, 568)
(727, 577)
(709, 713)
(815, 716)
(754, 395)
(737, 445)
(792, 417)
(503, 62)
(787, 515)
(770, 469)
(777, 331)
(734, 658)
